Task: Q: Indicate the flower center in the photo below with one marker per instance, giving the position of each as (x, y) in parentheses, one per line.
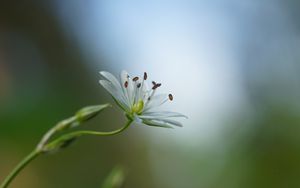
(138, 107)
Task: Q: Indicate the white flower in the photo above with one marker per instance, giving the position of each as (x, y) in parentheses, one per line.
(138, 100)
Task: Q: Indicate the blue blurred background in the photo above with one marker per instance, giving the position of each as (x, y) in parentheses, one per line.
(232, 66)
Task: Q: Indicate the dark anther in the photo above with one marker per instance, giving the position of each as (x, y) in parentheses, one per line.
(126, 84)
(138, 85)
(154, 83)
(156, 86)
(170, 97)
(145, 76)
(135, 79)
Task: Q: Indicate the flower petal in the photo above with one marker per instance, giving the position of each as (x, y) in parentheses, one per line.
(157, 124)
(113, 91)
(110, 88)
(163, 119)
(172, 122)
(122, 105)
(156, 101)
(124, 77)
(130, 90)
(145, 93)
(166, 114)
(111, 78)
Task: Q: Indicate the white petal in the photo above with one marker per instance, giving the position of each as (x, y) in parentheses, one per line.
(156, 101)
(172, 122)
(137, 91)
(110, 88)
(146, 87)
(164, 121)
(150, 114)
(111, 78)
(130, 90)
(156, 124)
(145, 93)
(124, 78)
(113, 91)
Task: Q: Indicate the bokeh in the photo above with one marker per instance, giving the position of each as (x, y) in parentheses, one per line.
(233, 68)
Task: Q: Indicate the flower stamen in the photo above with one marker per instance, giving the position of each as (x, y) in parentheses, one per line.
(135, 79)
(156, 86)
(169, 98)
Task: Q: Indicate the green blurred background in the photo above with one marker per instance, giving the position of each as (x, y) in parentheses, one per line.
(232, 66)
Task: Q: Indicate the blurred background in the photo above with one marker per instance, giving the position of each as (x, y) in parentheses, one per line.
(232, 66)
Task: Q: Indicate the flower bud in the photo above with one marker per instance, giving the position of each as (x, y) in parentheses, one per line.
(59, 144)
(89, 112)
(66, 124)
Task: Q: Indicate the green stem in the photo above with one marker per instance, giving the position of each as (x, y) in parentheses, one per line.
(102, 133)
(39, 151)
(76, 134)
(19, 167)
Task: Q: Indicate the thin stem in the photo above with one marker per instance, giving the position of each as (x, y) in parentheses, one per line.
(19, 167)
(86, 132)
(39, 150)
(102, 133)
